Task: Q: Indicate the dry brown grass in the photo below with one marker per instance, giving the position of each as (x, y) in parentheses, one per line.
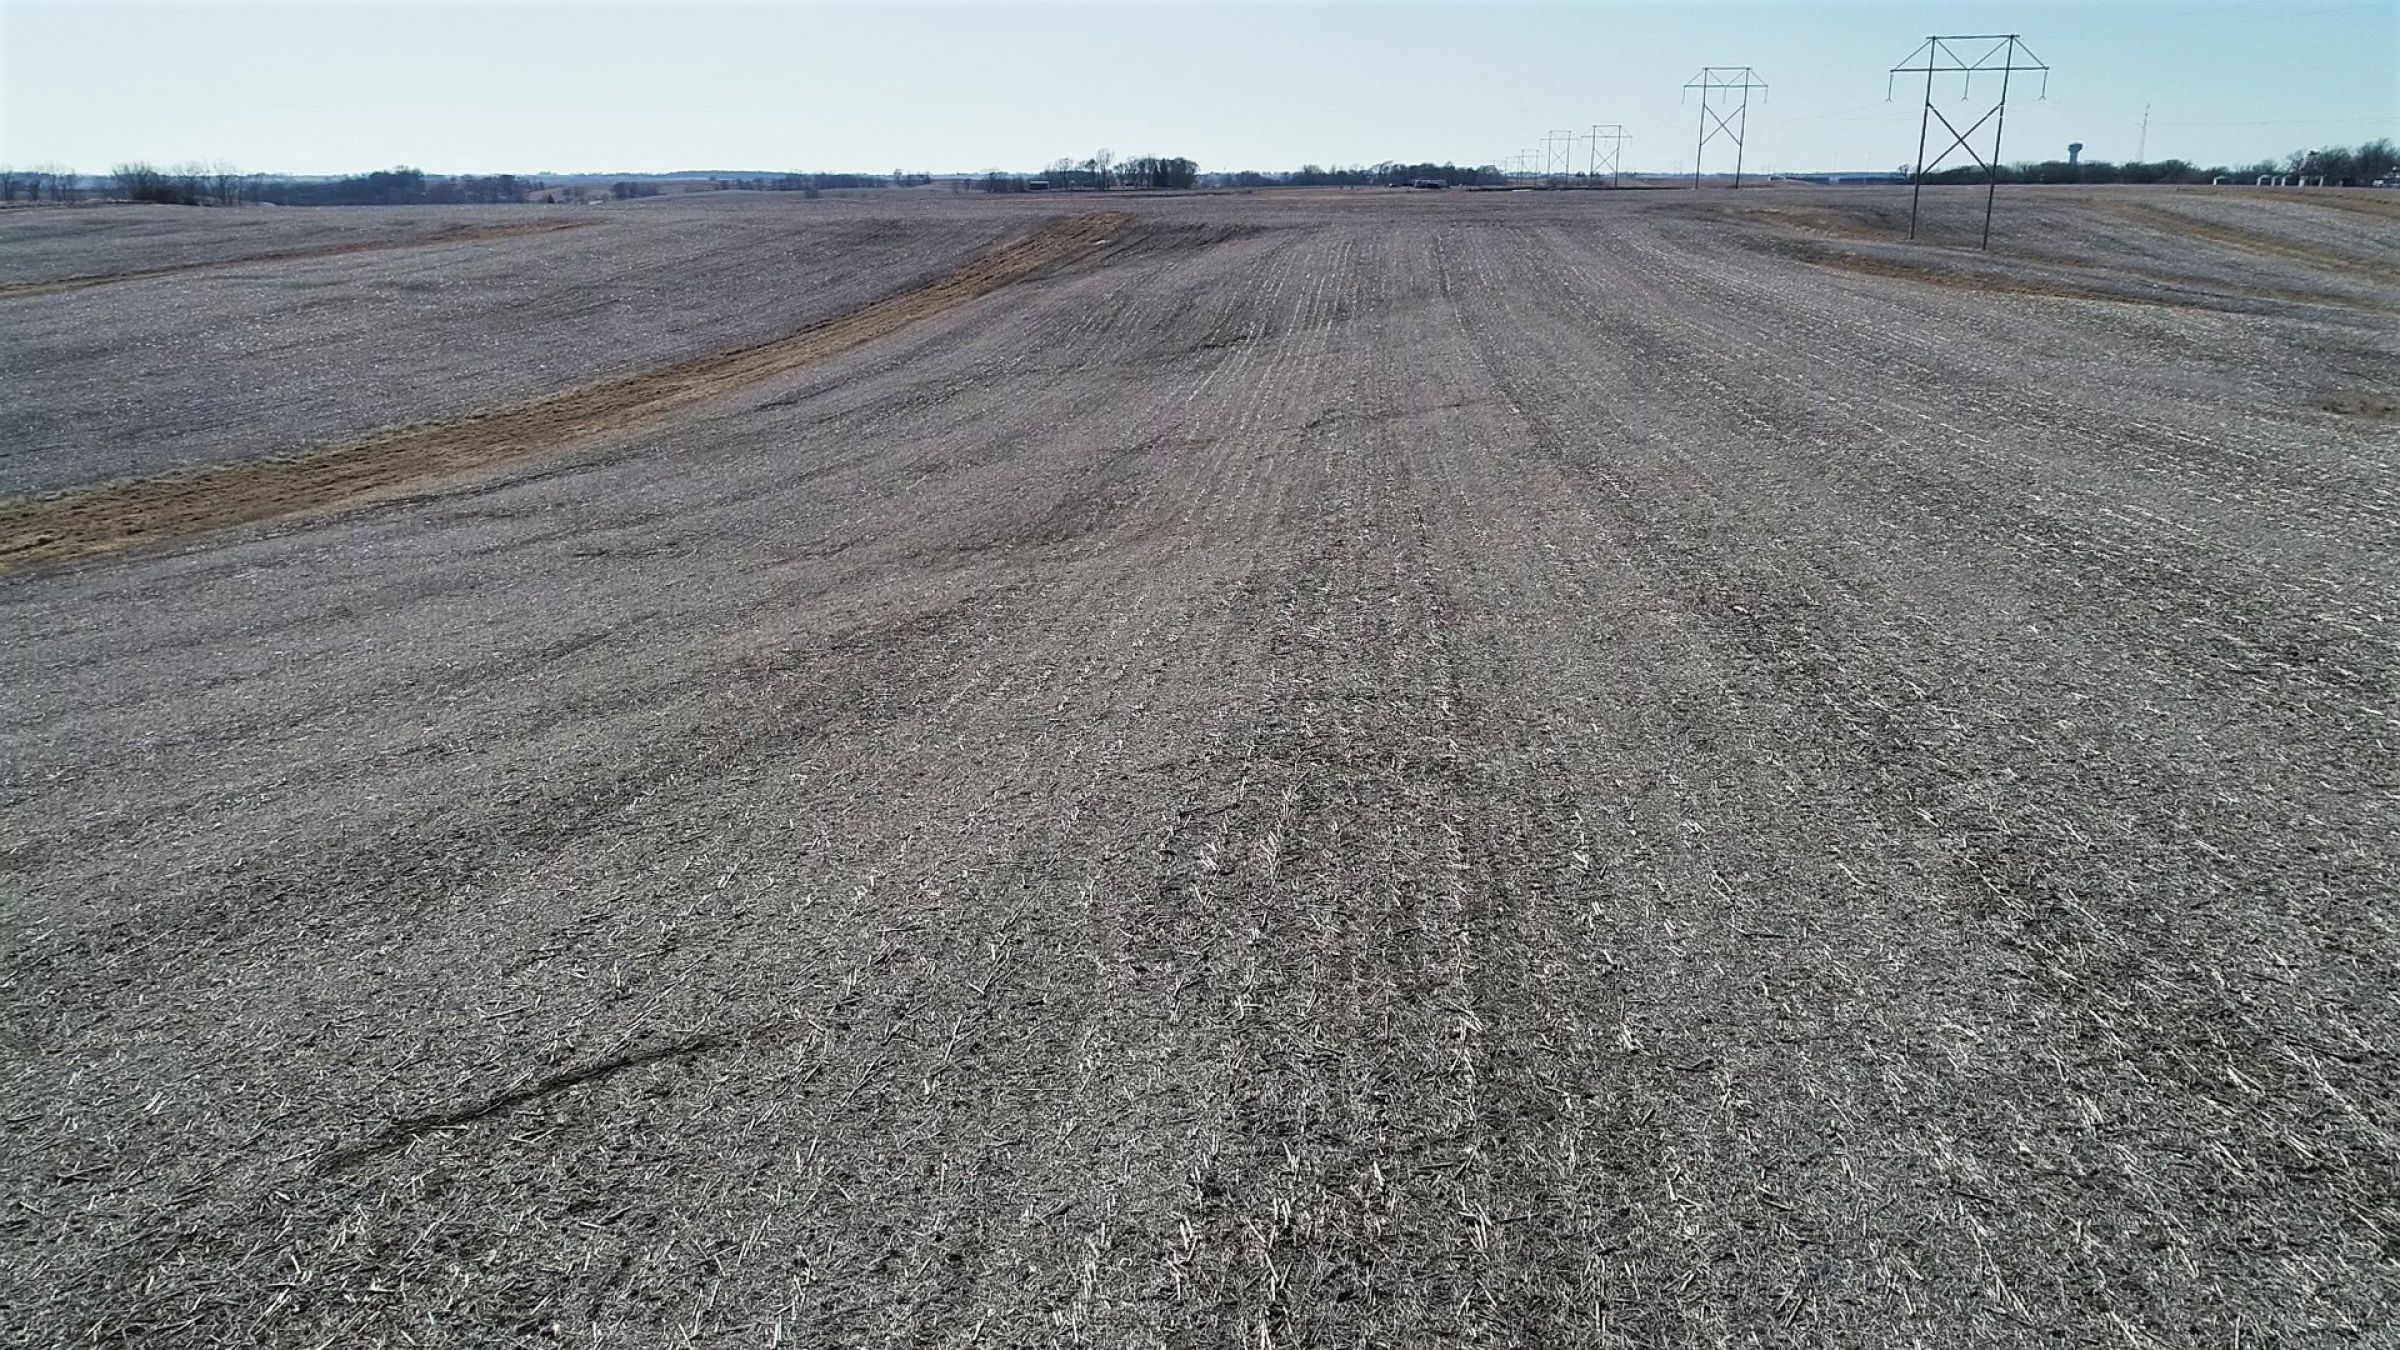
(2365, 202)
(2122, 285)
(1973, 279)
(2282, 246)
(1868, 221)
(113, 516)
(2371, 407)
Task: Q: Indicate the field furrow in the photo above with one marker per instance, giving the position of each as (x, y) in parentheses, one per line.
(1465, 769)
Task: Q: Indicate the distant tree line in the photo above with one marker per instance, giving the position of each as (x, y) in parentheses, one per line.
(1100, 173)
(401, 187)
(1096, 174)
(1103, 171)
(1386, 174)
(40, 183)
(222, 185)
(2336, 163)
(183, 185)
(807, 183)
(1159, 171)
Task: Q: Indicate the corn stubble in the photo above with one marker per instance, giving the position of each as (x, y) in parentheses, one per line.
(1613, 770)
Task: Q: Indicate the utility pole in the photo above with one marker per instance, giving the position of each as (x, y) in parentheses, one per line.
(1614, 135)
(2005, 54)
(2141, 151)
(1719, 84)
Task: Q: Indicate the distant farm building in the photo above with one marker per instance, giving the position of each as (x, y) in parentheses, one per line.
(1838, 178)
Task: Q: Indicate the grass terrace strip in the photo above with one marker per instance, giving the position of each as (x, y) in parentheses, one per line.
(106, 518)
(2267, 243)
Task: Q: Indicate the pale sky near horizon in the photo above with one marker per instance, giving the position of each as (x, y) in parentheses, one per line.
(325, 86)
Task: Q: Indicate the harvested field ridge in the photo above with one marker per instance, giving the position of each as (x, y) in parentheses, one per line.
(1345, 768)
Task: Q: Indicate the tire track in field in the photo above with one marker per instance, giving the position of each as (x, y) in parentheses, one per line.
(464, 234)
(106, 518)
(1062, 919)
(1663, 1160)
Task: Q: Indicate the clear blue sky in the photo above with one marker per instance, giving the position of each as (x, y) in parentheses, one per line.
(571, 86)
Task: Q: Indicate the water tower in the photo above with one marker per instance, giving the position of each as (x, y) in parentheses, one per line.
(2074, 152)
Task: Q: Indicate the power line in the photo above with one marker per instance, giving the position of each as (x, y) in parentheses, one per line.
(2360, 121)
(2272, 13)
(1841, 112)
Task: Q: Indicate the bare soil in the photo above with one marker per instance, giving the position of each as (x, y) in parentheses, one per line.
(391, 319)
(456, 234)
(106, 517)
(1380, 769)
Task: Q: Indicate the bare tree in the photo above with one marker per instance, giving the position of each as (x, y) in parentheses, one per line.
(224, 183)
(8, 183)
(138, 182)
(1100, 162)
(61, 180)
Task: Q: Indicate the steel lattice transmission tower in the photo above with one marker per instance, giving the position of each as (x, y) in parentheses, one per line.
(1987, 54)
(1614, 137)
(1718, 85)
(1558, 154)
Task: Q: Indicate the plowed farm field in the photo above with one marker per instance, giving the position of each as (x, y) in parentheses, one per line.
(1362, 769)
